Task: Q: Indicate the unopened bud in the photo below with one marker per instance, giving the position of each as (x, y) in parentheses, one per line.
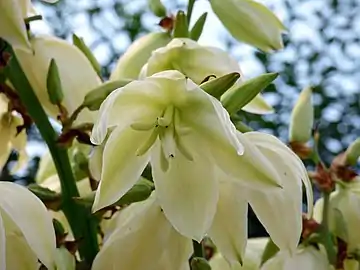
(53, 84)
(181, 28)
(241, 94)
(218, 86)
(198, 27)
(353, 152)
(157, 8)
(302, 118)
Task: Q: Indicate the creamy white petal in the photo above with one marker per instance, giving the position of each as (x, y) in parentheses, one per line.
(280, 211)
(18, 252)
(138, 101)
(258, 106)
(193, 60)
(121, 166)
(32, 218)
(12, 24)
(187, 190)
(229, 227)
(95, 161)
(76, 73)
(138, 243)
(271, 142)
(2, 244)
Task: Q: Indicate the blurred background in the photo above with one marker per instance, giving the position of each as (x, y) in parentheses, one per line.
(322, 49)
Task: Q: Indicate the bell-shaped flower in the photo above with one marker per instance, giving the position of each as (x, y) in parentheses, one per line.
(308, 258)
(250, 22)
(198, 63)
(344, 214)
(76, 74)
(142, 238)
(26, 231)
(279, 210)
(186, 135)
(130, 63)
(9, 137)
(252, 260)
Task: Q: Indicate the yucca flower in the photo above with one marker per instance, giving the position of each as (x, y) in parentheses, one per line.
(204, 170)
(199, 63)
(186, 135)
(25, 228)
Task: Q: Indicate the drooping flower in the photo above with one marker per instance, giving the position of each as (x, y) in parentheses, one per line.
(308, 258)
(344, 214)
(198, 63)
(76, 73)
(186, 134)
(142, 238)
(250, 22)
(25, 228)
(279, 210)
(9, 137)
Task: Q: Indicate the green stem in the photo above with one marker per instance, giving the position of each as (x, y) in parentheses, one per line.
(82, 224)
(198, 249)
(189, 10)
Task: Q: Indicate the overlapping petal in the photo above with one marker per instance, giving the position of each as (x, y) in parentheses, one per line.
(229, 227)
(35, 225)
(187, 190)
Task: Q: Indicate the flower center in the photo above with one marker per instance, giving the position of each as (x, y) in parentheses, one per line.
(169, 134)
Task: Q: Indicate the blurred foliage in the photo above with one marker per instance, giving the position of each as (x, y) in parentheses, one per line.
(322, 49)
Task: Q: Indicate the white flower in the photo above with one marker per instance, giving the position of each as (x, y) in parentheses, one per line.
(251, 261)
(142, 238)
(308, 258)
(197, 63)
(186, 135)
(9, 136)
(76, 73)
(279, 210)
(26, 230)
(344, 214)
(250, 22)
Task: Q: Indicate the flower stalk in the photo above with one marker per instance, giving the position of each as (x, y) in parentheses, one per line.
(80, 220)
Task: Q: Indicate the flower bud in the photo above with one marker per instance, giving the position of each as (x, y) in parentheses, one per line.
(217, 87)
(344, 215)
(308, 258)
(53, 84)
(181, 27)
(302, 118)
(198, 27)
(353, 152)
(250, 22)
(157, 8)
(238, 96)
(131, 62)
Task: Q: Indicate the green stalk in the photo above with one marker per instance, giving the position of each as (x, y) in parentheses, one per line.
(325, 233)
(198, 249)
(82, 224)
